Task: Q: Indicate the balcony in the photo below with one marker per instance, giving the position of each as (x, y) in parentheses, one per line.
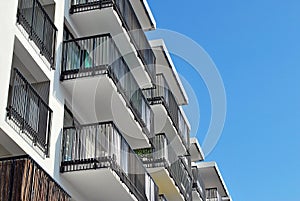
(23, 179)
(198, 193)
(118, 18)
(97, 155)
(140, 8)
(170, 118)
(216, 189)
(95, 63)
(171, 173)
(27, 109)
(39, 26)
(164, 65)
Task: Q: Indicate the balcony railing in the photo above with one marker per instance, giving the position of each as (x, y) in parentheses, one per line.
(212, 194)
(101, 145)
(98, 55)
(161, 94)
(162, 155)
(198, 184)
(23, 179)
(40, 28)
(29, 111)
(131, 23)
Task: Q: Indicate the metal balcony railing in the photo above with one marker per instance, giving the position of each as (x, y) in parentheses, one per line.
(22, 178)
(131, 23)
(162, 155)
(161, 94)
(101, 145)
(212, 194)
(29, 111)
(40, 28)
(98, 55)
(198, 184)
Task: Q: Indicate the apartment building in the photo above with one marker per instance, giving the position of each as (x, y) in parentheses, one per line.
(91, 110)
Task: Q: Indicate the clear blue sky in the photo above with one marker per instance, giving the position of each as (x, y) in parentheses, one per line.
(256, 47)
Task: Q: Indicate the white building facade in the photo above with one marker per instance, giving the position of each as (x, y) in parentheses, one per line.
(90, 110)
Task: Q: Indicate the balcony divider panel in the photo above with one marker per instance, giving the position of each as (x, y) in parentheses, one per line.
(40, 28)
(131, 23)
(98, 55)
(29, 111)
(102, 145)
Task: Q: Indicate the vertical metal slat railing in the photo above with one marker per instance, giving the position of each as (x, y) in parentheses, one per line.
(39, 26)
(29, 111)
(102, 145)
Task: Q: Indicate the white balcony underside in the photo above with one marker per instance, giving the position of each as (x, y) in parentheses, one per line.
(165, 184)
(95, 99)
(26, 60)
(106, 20)
(8, 147)
(99, 185)
(196, 150)
(144, 14)
(164, 124)
(4, 152)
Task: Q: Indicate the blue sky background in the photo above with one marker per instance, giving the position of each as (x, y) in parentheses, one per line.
(256, 48)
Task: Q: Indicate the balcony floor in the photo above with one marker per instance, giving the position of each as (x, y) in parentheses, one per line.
(106, 20)
(95, 99)
(164, 124)
(99, 185)
(165, 184)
